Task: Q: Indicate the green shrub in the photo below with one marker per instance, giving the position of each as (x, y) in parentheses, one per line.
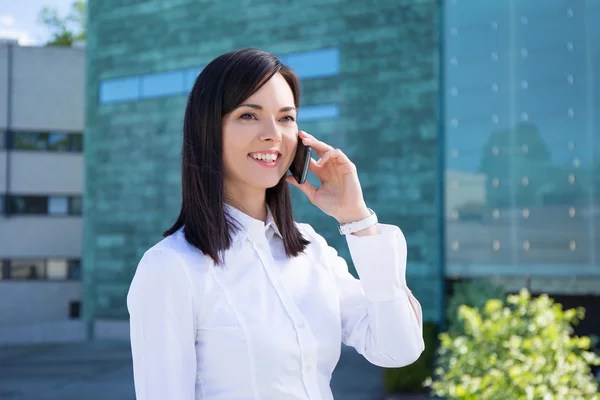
(410, 379)
(524, 349)
(473, 293)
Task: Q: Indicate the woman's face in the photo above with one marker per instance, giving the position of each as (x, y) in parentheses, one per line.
(259, 139)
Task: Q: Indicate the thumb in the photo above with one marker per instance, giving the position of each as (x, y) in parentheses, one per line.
(307, 188)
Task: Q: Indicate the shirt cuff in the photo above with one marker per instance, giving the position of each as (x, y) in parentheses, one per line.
(380, 261)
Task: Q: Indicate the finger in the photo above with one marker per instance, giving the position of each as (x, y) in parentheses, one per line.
(307, 188)
(335, 154)
(319, 147)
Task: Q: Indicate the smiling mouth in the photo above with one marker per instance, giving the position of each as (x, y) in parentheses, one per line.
(266, 159)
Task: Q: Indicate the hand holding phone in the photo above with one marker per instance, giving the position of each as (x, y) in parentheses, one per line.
(299, 167)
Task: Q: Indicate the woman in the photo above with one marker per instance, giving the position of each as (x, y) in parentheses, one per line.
(240, 302)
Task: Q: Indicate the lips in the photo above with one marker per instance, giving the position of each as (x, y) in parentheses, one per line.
(268, 159)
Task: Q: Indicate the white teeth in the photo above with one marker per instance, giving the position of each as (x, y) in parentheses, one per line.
(265, 157)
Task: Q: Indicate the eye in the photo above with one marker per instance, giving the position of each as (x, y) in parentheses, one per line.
(288, 118)
(248, 116)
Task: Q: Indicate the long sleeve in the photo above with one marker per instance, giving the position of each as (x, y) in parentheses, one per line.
(381, 318)
(162, 327)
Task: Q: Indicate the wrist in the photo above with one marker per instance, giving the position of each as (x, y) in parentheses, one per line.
(353, 216)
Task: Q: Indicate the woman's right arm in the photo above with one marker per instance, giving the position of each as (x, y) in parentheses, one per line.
(162, 328)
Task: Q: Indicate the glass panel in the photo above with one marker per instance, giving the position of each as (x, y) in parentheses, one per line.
(58, 141)
(312, 113)
(27, 269)
(76, 205)
(58, 206)
(27, 204)
(75, 269)
(314, 64)
(162, 84)
(121, 89)
(1, 204)
(522, 143)
(76, 142)
(57, 269)
(2, 140)
(30, 141)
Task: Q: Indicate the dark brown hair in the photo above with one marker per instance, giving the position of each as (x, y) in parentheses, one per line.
(224, 84)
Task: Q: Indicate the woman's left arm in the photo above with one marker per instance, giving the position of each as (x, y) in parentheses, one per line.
(380, 316)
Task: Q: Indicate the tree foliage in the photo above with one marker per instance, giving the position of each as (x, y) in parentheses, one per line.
(65, 30)
(521, 349)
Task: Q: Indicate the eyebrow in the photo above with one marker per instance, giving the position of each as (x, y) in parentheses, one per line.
(259, 107)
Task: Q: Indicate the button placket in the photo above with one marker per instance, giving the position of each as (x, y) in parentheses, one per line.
(306, 340)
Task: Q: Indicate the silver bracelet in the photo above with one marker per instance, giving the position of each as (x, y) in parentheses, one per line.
(351, 227)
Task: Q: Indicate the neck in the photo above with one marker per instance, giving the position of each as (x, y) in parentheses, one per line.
(252, 204)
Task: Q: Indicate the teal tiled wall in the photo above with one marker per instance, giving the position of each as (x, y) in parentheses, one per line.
(386, 91)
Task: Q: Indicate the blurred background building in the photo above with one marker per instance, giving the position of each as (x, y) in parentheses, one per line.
(41, 185)
(475, 127)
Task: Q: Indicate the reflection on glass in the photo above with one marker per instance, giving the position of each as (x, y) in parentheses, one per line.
(27, 269)
(58, 141)
(75, 205)
(30, 140)
(56, 269)
(58, 206)
(27, 205)
(75, 269)
(76, 143)
(522, 139)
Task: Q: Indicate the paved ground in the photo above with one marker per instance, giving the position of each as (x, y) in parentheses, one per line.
(101, 370)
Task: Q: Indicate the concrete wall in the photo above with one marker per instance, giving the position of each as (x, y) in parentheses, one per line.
(40, 236)
(31, 302)
(3, 85)
(47, 88)
(46, 173)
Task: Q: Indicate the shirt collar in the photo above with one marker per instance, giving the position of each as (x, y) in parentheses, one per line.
(251, 228)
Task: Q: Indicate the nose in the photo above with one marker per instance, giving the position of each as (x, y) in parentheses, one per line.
(271, 132)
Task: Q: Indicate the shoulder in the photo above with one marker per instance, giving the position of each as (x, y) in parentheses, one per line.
(308, 232)
(173, 255)
(317, 243)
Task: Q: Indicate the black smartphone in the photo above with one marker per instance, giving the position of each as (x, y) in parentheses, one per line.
(299, 167)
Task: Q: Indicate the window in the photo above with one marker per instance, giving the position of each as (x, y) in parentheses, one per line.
(53, 269)
(162, 84)
(76, 143)
(29, 140)
(27, 269)
(45, 141)
(75, 205)
(58, 205)
(2, 197)
(74, 269)
(314, 64)
(4, 269)
(3, 140)
(521, 150)
(308, 65)
(122, 89)
(313, 113)
(57, 269)
(43, 205)
(58, 141)
(190, 76)
(33, 205)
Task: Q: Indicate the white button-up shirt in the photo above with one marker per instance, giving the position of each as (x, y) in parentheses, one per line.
(265, 326)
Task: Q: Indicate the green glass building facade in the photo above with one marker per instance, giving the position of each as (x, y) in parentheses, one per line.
(461, 118)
